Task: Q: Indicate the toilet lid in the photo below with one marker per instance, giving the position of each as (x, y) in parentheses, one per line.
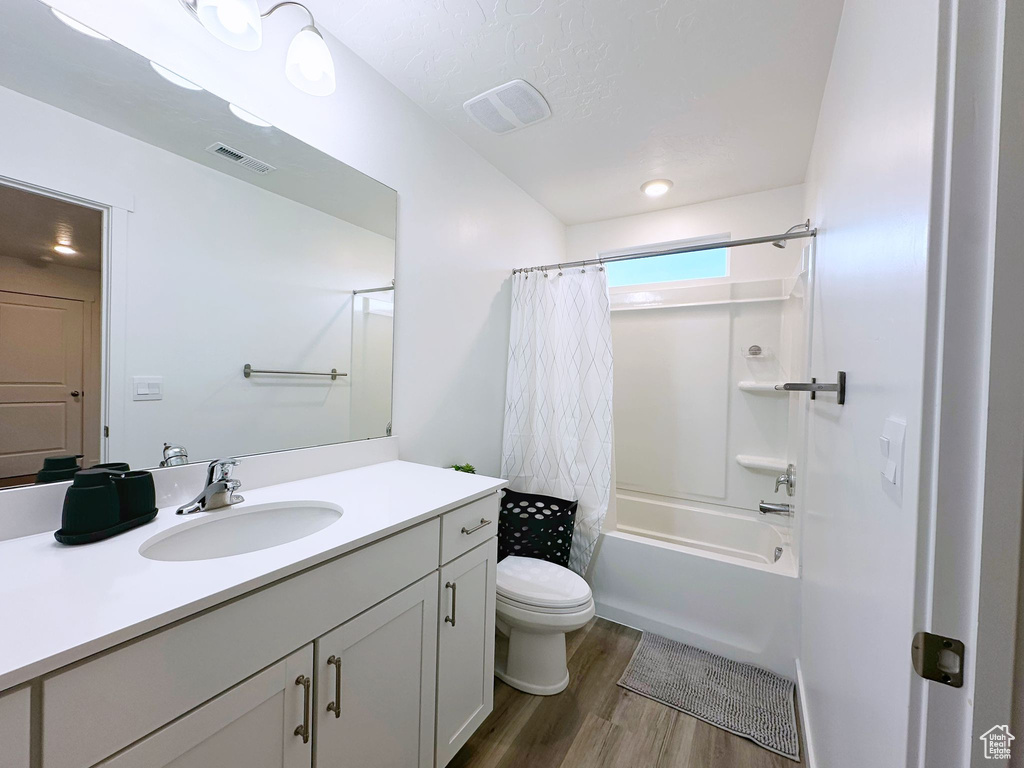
(540, 583)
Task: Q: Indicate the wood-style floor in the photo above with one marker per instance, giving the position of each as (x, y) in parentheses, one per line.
(594, 723)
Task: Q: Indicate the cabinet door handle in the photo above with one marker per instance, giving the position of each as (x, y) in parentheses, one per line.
(335, 706)
(476, 528)
(303, 730)
(451, 585)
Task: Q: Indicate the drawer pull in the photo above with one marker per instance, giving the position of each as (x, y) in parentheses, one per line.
(476, 528)
(303, 730)
(335, 706)
(451, 619)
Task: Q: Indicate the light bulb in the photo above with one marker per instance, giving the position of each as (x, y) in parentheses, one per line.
(235, 22)
(309, 66)
(65, 250)
(78, 26)
(248, 117)
(173, 77)
(656, 187)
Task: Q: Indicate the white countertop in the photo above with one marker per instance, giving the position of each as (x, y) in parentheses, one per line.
(60, 604)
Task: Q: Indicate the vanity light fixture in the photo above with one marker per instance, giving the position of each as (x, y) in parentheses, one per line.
(65, 250)
(248, 117)
(78, 26)
(656, 187)
(173, 77)
(239, 23)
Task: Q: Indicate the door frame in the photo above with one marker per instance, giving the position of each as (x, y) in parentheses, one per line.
(972, 473)
(114, 208)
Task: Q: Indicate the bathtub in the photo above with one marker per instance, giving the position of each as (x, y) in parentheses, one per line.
(723, 582)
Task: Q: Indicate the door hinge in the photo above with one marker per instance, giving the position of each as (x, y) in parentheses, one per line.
(106, 431)
(938, 658)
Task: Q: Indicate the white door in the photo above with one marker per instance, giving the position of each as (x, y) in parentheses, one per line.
(465, 648)
(264, 722)
(41, 357)
(375, 684)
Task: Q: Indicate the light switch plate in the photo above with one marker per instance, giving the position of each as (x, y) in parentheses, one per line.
(891, 450)
(147, 387)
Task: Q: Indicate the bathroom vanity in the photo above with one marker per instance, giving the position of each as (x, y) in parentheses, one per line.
(367, 643)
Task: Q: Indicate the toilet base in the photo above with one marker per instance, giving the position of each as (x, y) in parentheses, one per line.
(532, 662)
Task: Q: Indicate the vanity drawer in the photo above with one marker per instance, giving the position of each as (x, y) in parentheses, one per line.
(465, 527)
(106, 703)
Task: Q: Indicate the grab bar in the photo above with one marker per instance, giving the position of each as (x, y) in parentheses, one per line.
(248, 370)
(814, 387)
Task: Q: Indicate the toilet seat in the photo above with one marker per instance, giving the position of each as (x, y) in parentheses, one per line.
(541, 586)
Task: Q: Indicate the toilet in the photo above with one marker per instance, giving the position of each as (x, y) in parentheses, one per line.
(537, 603)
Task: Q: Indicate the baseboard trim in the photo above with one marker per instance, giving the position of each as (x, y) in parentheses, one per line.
(805, 718)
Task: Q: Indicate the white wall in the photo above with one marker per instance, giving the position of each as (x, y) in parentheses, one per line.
(868, 192)
(208, 288)
(462, 224)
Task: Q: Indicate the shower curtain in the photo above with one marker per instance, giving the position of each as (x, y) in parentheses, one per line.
(558, 399)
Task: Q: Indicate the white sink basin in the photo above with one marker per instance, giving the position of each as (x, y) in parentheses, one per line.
(233, 532)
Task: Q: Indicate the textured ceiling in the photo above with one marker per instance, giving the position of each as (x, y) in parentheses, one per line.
(31, 225)
(721, 96)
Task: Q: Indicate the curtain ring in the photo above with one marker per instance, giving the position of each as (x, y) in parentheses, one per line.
(559, 270)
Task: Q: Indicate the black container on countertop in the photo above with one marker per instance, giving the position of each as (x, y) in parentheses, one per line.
(93, 508)
(114, 466)
(135, 493)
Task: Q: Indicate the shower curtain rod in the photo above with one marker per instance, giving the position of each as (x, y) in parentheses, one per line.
(807, 232)
(373, 290)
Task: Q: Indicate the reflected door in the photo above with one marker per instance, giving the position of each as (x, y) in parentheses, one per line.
(41, 357)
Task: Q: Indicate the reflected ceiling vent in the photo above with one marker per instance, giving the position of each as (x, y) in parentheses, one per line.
(508, 107)
(240, 158)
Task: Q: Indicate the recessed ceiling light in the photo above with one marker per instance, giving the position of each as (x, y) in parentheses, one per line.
(248, 117)
(656, 187)
(65, 250)
(78, 26)
(172, 77)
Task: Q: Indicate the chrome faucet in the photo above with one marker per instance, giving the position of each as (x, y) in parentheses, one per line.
(219, 490)
(788, 480)
(767, 508)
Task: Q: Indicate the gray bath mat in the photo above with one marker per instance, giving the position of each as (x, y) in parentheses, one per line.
(741, 698)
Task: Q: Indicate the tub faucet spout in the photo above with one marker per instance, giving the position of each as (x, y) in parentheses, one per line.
(768, 508)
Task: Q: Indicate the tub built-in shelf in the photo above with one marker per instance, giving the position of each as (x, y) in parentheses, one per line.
(760, 386)
(762, 463)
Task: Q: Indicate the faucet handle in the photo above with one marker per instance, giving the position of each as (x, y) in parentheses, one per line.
(220, 469)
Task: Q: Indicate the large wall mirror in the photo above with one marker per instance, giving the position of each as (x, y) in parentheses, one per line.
(172, 270)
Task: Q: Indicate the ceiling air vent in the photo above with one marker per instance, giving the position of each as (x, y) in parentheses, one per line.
(240, 158)
(508, 107)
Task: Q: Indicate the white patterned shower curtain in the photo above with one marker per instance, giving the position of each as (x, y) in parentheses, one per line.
(558, 399)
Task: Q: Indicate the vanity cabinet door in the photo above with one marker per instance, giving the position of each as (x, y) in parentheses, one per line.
(375, 684)
(15, 728)
(465, 648)
(264, 722)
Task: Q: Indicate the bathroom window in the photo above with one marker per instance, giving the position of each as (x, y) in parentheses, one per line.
(670, 268)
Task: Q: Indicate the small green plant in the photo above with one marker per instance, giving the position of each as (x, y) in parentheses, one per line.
(464, 468)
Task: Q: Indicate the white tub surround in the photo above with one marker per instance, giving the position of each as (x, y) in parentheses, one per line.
(72, 602)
